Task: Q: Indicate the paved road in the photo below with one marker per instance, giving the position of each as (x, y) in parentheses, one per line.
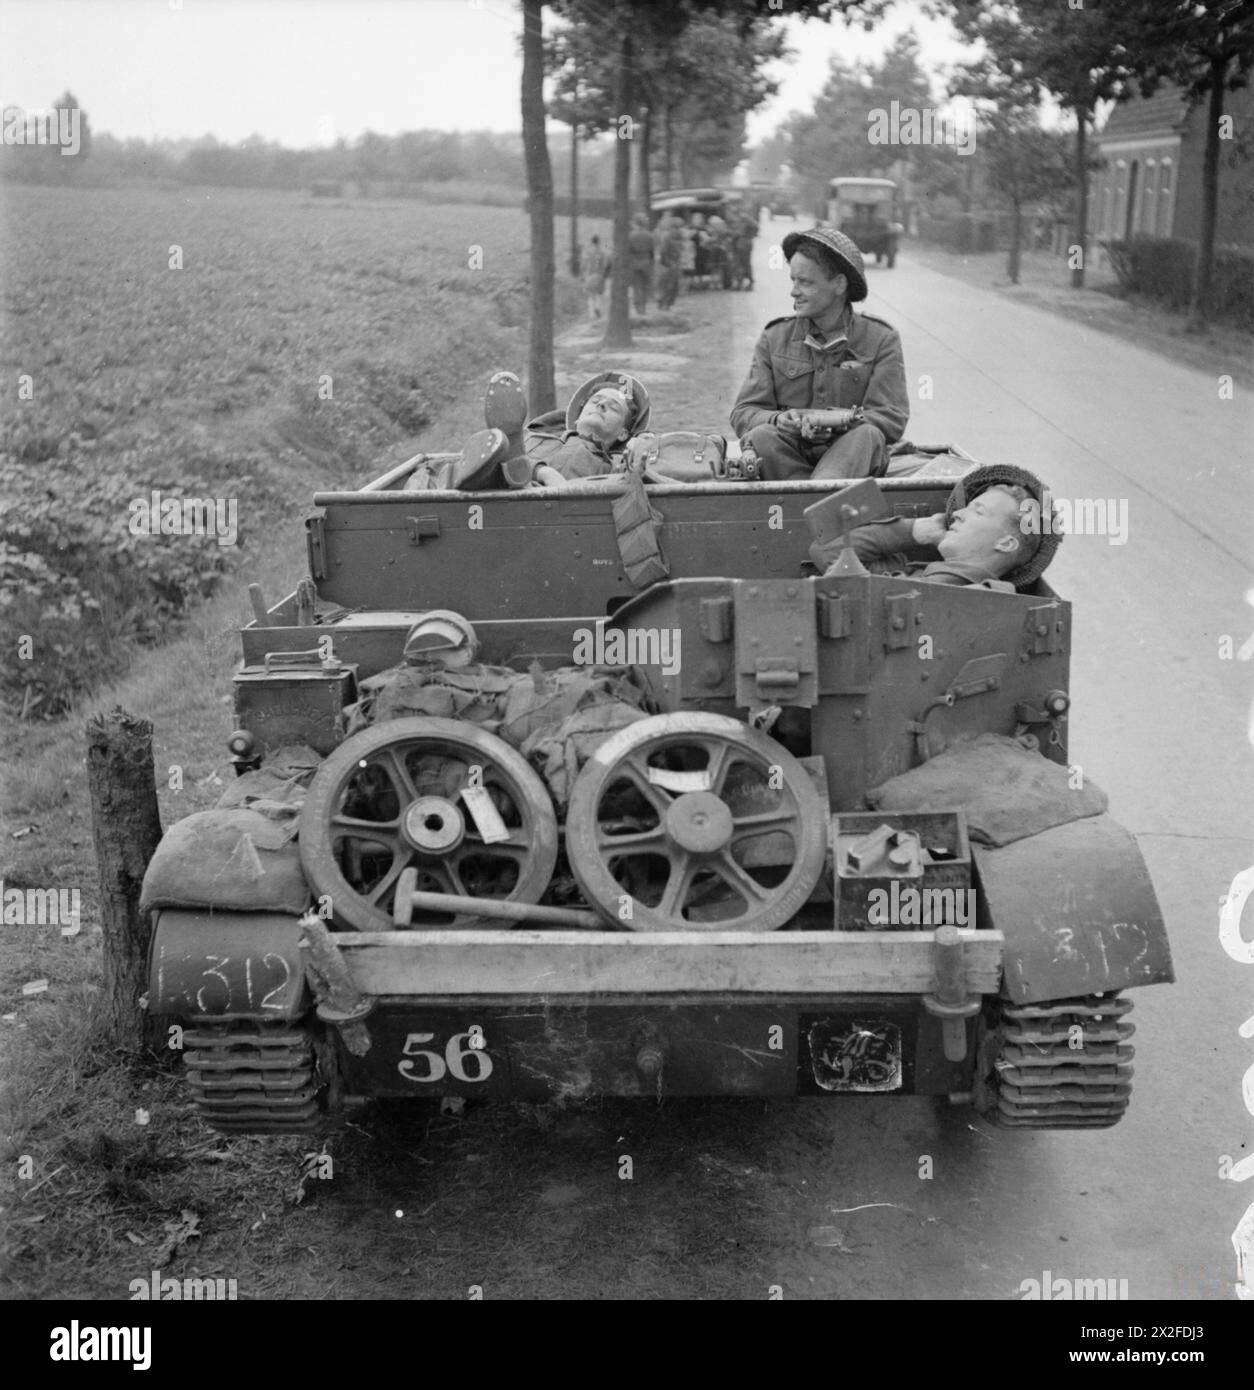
(1160, 721)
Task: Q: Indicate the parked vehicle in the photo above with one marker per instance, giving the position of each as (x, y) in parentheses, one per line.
(722, 258)
(432, 879)
(866, 210)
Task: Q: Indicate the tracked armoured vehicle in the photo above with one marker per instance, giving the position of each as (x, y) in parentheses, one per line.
(520, 816)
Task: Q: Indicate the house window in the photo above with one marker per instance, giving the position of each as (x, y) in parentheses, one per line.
(1108, 198)
(1130, 217)
(1149, 218)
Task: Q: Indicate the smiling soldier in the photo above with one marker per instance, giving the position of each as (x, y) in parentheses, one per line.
(826, 392)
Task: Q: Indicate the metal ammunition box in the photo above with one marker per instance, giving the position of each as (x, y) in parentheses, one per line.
(295, 697)
(859, 906)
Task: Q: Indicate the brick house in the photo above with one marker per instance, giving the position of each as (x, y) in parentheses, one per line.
(1152, 179)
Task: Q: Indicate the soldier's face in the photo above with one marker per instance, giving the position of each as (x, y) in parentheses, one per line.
(813, 294)
(604, 416)
(985, 532)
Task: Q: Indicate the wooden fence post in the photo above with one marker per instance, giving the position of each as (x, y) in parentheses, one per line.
(126, 827)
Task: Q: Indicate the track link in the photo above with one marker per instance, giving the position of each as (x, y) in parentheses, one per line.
(252, 1077)
(1065, 1064)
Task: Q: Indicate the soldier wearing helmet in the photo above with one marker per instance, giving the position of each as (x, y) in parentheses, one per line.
(826, 391)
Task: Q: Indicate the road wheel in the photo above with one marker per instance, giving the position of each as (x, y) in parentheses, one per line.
(441, 795)
(695, 821)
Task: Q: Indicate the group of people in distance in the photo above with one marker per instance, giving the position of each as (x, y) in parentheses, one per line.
(825, 397)
(678, 246)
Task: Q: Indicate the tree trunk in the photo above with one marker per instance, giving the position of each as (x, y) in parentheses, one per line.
(618, 321)
(646, 150)
(574, 199)
(126, 828)
(669, 149)
(1016, 235)
(541, 390)
(1199, 310)
(1082, 193)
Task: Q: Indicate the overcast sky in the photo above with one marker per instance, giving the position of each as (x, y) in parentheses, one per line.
(304, 72)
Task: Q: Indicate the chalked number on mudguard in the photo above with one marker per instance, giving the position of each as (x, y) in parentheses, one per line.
(460, 1049)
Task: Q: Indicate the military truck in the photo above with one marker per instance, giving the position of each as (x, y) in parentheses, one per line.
(865, 210)
(445, 870)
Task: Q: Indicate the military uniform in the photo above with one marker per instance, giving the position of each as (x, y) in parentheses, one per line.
(793, 368)
(882, 547)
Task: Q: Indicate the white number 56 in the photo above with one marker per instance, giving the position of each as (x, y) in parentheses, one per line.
(460, 1050)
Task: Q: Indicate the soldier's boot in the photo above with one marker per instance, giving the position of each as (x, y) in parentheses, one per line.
(478, 466)
(505, 409)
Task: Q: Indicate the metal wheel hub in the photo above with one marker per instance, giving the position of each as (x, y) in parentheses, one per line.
(433, 825)
(699, 822)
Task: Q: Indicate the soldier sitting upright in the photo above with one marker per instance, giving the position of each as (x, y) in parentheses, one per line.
(826, 391)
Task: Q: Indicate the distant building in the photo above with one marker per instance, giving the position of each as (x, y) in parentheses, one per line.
(1151, 182)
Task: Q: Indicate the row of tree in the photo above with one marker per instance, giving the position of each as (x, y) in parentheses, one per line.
(1083, 53)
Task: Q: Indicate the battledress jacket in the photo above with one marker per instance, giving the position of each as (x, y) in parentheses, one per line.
(860, 365)
(882, 547)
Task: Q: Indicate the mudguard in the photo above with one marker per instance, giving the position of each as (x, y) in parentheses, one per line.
(226, 965)
(1077, 910)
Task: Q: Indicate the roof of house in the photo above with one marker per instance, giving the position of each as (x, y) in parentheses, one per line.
(1164, 112)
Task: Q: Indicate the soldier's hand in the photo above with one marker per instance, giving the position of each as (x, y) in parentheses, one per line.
(811, 428)
(929, 529)
(792, 420)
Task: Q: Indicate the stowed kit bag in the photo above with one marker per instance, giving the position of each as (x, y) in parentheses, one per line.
(1008, 791)
(679, 456)
(556, 719)
(234, 858)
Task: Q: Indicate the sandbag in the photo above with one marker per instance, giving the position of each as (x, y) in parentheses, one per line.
(233, 858)
(1007, 790)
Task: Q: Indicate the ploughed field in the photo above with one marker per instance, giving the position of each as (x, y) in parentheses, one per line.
(238, 346)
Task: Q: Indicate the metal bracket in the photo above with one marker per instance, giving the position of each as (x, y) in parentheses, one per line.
(1044, 626)
(776, 643)
(899, 620)
(316, 545)
(835, 616)
(422, 528)
(980, 674)
(716, 619)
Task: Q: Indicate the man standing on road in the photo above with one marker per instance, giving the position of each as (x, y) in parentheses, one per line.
(640, 253)
(670, 253)
(826, 391)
